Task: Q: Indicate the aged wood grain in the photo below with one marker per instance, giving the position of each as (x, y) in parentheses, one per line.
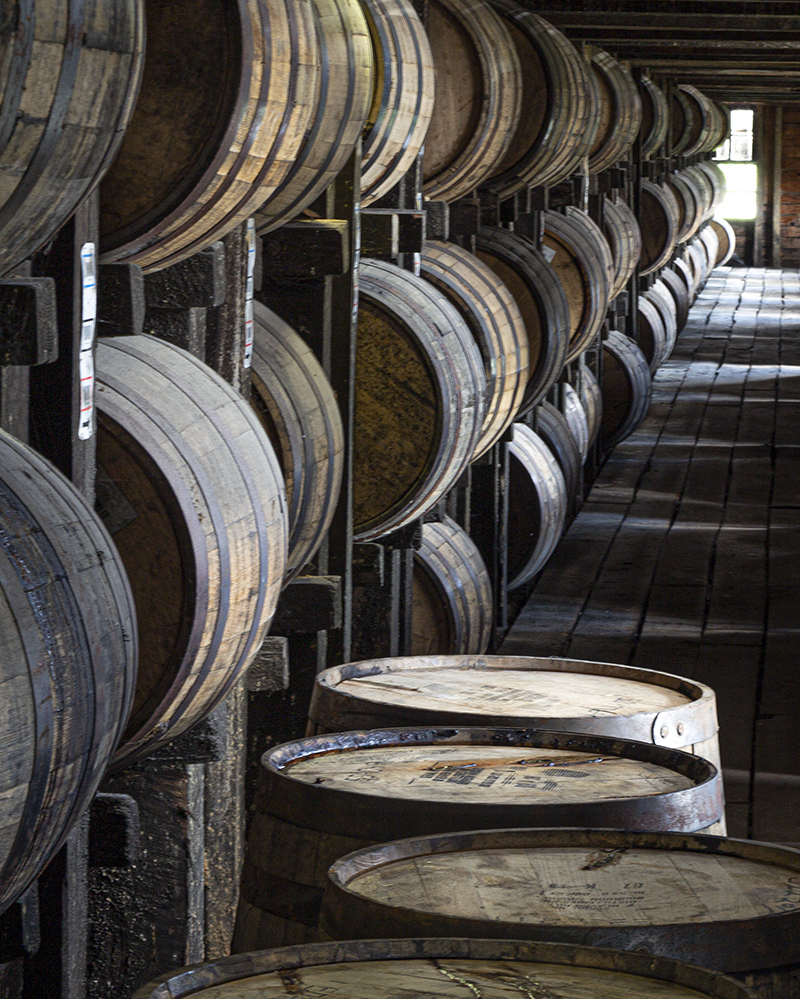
(223, 109)
(451, 591)
(68, 662)
(420, 398)
(731, 905)
(68, 81)
(478, 96)
(296, 405)
(186, 436)
(325, 796)
(495, 321)
(446, 968)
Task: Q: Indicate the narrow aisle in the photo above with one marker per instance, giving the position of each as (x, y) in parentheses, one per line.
(686, 555)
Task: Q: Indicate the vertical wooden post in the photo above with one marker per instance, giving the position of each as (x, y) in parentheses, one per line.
(759, 249)
(777, 187)
(339, 362)
(59, 968)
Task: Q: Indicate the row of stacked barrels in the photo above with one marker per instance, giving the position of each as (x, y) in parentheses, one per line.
(208, 506)
(576, 806)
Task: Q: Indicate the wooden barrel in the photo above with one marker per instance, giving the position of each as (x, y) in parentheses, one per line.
(719, 128)
(701, 256)
(581, 257)
(577, 420)
(727, 240)
(552, 426)
(696, 261)
(684, 272)
(682, 119)
(728, 905)
(190, 489)
(227, 96)
(691, 201)
(620, 115)
(659, 224)
(709, 241)
(298, 410)
(716, 179)
(704, 125)
(627, 388)
(564, 695)
(453, 605)
(493, 317)
(537, 505)
(325, 796)
(651, 333)
(657, 327)
(655, 117)
(680, 295)
(658, 293)
(68, 664)
(69, 77)
(541, 300)
(706, 184)
(624, 238)
(560, 119)
(455, 969)
(592, 399)
(478, 96)
(402, 102)
(344, 95)
(420, 391)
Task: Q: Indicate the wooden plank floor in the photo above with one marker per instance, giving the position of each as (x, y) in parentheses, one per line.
(686, 555)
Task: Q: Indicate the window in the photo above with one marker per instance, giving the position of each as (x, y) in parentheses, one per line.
(735, 157)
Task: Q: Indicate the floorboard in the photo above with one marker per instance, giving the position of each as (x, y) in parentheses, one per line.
(686, 554)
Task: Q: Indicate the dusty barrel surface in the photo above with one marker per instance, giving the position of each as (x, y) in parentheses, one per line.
(560, 118)
(443, 969)
(420, 397)
(190, 489)
(452, 604)
(651, 333)
(621, 112)
(296, 405)
(325, 796)
(725, 904)
(537, 504)
(692, 201)
(343, 98)
(69, 76)
(659, 220)
(577, 419)
(592, 399)
(680, 295)
(627, 387)
(493, 317)
(555, 694)
(68, 663)
(403, 95)
(478, 96)
(554, 429)
(624, 240)
(655, 116)
(541, 300)
(580, 255)
(227, 95)
(727, 240)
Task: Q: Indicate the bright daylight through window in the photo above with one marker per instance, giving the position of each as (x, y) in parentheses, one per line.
(735, 157)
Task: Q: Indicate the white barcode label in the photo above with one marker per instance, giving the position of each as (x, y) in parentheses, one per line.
(248, 295)
(548, 253)
(86, 374)
(88, 327)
